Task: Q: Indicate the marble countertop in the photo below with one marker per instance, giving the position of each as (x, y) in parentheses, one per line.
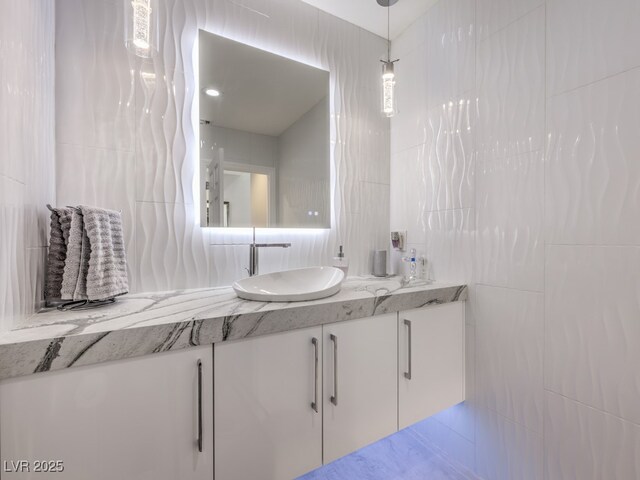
(148, 323)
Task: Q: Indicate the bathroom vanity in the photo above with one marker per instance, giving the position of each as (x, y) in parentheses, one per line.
(291, 402)
(196, 383)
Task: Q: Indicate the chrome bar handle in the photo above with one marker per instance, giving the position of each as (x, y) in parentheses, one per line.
(200, 406)
(334, 397)
(407, 374)
(314, 404)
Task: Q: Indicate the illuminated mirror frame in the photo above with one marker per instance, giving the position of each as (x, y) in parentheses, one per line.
(195, 124)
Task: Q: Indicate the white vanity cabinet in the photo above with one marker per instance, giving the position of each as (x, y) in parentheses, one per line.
(360, 383)
(273, 393)
(355, 373)
(131, 419)
(272, 407)
(268, 406)
(431, 361)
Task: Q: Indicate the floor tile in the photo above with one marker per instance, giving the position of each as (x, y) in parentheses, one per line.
(398, 457)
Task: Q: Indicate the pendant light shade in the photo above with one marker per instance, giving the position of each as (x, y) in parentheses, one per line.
(141, 27)
(388, 72)
(388, 89)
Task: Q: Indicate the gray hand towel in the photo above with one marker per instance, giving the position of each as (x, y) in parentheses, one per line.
(74, 279)
(107, 262)
(66, 214)
(57, 251)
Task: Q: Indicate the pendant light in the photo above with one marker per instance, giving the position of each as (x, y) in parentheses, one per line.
(388, 74)
(141, 27)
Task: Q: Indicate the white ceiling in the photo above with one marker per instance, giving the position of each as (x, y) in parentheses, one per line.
(260, 92)
(371, 16)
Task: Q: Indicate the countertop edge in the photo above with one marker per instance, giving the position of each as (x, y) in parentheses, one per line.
(61, 352)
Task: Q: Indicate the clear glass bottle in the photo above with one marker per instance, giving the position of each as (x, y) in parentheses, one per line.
(413, 265)
(412, 272)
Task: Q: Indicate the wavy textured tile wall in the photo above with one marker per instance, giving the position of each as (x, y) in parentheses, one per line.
(493, 15)
(510, 82)
(592, 329)
(591, 202)
(588, 40)
(555, 239)
(26, 154)
(593, 173)
(510, 79)
(510, 196)
(584, 443)
(506, 450)
(433, 175)
(509, 354)
(144, 113)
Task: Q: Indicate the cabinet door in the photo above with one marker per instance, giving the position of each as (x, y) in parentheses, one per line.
(131, 419)
(431, 366)
(265, 424)
(360, 383)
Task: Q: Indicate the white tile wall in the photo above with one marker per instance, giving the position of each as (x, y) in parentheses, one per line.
(554, 189)
(375, 208)
(409, 193)
(593, 173)
(510, 82)
(413, 38)
(26, 154)
(509, 345)
(171, 250)
(588, 40)
(450, 158)
(288, 27)
(592, 288)
(506, 450)
(585, 443)
(449, 242)
(95, 82)
(592, 326)
(510, 204)
(450, 54)
(12, 253)
(493, 15)
(143, 110)
(509, 250)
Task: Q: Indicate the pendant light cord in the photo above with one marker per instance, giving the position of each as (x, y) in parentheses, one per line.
(388, 61)
(388, 32)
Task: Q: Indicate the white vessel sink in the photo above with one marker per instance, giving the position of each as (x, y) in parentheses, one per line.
(291, 285)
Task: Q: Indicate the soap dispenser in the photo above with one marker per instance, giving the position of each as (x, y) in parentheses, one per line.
(341, 262)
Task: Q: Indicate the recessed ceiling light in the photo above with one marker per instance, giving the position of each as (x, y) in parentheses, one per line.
(212, 92)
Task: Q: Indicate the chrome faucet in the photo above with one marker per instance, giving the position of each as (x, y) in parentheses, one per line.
(253, 253)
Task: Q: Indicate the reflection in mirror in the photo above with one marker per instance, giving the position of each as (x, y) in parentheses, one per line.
(264, 138)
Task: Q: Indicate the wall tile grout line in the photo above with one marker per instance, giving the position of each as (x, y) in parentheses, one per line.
(591, 407)
(502, 287)
(594, 82)
(512, 22)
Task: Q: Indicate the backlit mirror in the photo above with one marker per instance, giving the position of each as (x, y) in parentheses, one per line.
(264, 138)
